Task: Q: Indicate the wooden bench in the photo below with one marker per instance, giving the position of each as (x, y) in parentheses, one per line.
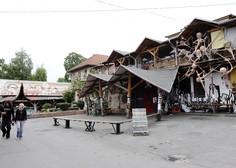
(89, 123)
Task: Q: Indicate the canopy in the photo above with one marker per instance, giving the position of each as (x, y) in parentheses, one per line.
(161, 78)
(92, 82)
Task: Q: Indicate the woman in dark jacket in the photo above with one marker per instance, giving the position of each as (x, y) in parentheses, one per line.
(7, 118)
(20, 119)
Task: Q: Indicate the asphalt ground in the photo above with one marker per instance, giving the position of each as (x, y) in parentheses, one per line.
(178, 141)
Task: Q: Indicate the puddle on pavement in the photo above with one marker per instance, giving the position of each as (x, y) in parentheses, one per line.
(178, 158)
(200, 118)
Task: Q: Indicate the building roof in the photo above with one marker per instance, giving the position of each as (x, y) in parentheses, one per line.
(95, 60)
(227, 17)
(32, 88)
(147, 43)
(157, 78)
(116, 54)
(162, 78)
(92, 82)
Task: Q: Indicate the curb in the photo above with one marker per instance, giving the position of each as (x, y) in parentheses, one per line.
(208, 114)
(59, 113)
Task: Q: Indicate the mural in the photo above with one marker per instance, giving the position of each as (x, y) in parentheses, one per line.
(33, 88)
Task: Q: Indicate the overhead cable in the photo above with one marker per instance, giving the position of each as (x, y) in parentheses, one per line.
(114, 10)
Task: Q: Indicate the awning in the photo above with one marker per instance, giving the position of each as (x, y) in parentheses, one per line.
(161, 78)
(44, 98)
(92, 82)
(9, 98)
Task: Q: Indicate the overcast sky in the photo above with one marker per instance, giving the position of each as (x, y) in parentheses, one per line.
(48, 30)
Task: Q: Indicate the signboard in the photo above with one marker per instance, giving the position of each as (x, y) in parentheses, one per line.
(140, 124)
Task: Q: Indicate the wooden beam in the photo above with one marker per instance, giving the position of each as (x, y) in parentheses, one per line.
(137, 84)
(100, 87)
(121, 87)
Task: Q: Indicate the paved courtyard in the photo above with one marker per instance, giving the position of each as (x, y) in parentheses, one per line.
(178, 141)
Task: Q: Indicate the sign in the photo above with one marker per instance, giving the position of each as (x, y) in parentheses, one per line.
(140, 124)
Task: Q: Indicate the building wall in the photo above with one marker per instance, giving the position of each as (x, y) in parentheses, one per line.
(81, 74)
(233, 76)
(230, 35)
(111, 69)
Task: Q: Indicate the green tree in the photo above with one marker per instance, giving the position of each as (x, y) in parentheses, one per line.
(69, 96)
(61, 80)
(75, 88)
(20, 67)
(40, 74)
(3, 69)
(77, 85)
(70, 61)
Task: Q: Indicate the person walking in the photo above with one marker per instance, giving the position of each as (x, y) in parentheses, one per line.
(7, 118)
(1, 110)
(20, 118)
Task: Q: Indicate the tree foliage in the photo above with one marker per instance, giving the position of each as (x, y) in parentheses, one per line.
(40, 74)
(69, 96)
(20, 67)
(77, 85)
(61, 80)
(3, 68)
(70, 61)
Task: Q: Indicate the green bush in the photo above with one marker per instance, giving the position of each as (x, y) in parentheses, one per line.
(80, 104)
(68, 96)
(63, 106)
(47, 106)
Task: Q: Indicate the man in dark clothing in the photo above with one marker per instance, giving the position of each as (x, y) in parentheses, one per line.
(7, 118)
(1, 110)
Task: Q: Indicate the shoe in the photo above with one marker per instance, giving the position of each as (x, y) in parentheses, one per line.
(3, 134)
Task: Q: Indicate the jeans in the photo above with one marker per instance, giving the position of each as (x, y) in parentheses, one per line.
(20, 126)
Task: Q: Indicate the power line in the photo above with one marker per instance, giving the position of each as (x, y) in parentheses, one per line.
(121, 7)
(114, 10)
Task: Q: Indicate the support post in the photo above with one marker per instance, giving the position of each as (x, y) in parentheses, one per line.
(129, 108)
(101, 97)
(159, 108)
(213, 92)
(67, 124)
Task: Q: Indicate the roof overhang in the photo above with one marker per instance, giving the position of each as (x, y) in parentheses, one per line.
(9, 98)
(146, 44)
(44, 98)
(92, 82)
(116, 54)
(161, 78)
